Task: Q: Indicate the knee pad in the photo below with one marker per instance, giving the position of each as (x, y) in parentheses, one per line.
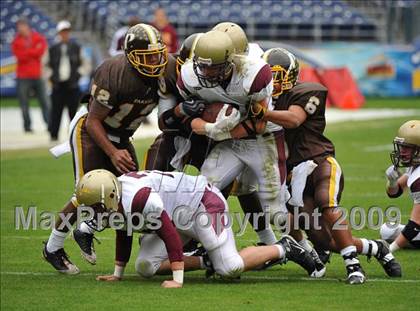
(231, 267)
(411, 230)
(146, 268)
(210, 240)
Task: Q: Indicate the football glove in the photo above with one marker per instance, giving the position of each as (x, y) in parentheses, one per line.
(192, 107)
(392, 174)
(220, 130)
(257, 110)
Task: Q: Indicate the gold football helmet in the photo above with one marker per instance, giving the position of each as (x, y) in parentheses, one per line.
(145, 50)
(407, 145)
(99, 188)
(212, 61)
(236, 34)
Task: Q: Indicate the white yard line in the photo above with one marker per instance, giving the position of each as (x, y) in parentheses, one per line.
(378, 148)
(12, 136)
(244, 277)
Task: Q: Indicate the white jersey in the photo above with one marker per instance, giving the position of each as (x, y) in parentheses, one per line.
(237, 92)
(254, 50)
(246, 69)
(413, 183)
(163, 191)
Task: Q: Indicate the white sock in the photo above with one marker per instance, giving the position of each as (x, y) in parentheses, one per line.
(366, 243)
(267, 236)
(305, 244)
(394, 247)
(56, 240)
(85, 228)
(345, 252)
(282, 251)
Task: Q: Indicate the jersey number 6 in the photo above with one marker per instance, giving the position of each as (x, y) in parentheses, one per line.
(312, 104)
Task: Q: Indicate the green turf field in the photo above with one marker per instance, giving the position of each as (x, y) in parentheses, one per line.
(28, 283)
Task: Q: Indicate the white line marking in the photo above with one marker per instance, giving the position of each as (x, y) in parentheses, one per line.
(378, 148)
(23, 237)
(364, 178)
(244, 277)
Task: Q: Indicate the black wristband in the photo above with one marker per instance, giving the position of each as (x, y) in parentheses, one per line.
(396, 195)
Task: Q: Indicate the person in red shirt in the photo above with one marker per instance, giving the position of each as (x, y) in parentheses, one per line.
(169, 35)
(29, 47)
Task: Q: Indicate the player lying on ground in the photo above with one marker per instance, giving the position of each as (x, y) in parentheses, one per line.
(406, 154)
(317, 179)
(168, 201)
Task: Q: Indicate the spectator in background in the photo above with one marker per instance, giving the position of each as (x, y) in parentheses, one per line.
(118, 38)
(29, 47)
(67, 64)
(168, 31)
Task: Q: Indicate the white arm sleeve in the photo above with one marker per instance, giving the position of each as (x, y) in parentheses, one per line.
(166, 102)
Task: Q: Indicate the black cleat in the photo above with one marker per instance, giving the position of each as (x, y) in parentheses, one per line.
(299, 255)
(190, 247)
(85, 242)
(195, 252)
(200, 251)
(324, 255)
(60, 261)
(387, 260)
(355, 274)
(319, 265)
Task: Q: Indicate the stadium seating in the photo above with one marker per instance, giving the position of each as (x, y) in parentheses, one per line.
(267, 19)
(270, 19)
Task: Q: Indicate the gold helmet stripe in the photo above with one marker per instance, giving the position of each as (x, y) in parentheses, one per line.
(193, 46)
(102, 194)
(150, 33)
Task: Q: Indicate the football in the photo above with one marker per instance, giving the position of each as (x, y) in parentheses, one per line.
(212, 110)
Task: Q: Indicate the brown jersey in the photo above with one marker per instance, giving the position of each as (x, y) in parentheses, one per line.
(306, 141)
(130, 96)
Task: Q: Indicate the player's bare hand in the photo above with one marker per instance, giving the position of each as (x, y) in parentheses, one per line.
(108, 278)
(122, 161)
(171, 284)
